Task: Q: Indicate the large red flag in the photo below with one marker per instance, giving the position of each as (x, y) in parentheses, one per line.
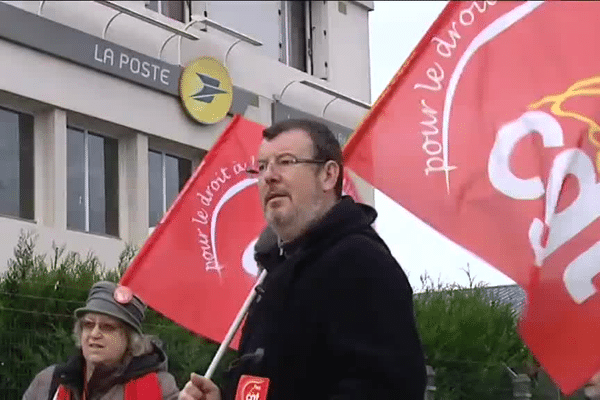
(489, 133)
(197, 267)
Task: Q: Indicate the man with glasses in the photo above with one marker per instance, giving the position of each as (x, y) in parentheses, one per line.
(334, 316)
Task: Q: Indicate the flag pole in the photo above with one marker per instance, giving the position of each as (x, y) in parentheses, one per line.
(234, 327)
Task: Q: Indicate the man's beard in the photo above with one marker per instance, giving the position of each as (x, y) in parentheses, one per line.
(293, 225)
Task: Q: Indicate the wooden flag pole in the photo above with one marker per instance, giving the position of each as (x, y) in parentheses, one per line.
(234, 327)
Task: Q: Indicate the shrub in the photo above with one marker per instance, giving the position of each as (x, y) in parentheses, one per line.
(38, 296)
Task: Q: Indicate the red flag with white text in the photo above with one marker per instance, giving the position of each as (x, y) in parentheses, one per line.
(198, 266)
(489, 133)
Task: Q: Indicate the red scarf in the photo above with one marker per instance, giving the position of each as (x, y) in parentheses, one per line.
(146, 387)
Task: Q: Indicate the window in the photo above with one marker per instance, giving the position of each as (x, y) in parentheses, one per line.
(166, 176)
(294, 49)
(16, 164)
(92, 182)
(169, 8)
(285, 28)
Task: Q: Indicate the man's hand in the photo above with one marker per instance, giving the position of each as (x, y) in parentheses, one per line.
(200, 388)
(592, 390)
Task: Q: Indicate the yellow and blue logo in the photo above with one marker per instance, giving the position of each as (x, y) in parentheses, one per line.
(206, 90)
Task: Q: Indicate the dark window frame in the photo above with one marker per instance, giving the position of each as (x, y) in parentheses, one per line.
(174, 9)
(110, 162)
(184, 173)
(26, 168)
(296, 35)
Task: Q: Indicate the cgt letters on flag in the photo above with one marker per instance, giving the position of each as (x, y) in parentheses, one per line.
(496, 111)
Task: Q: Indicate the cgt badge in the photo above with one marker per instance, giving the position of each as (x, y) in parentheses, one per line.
(205, 90)
(252, 388)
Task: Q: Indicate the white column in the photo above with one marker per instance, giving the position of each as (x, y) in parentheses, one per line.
(50, 170)
(133, 188)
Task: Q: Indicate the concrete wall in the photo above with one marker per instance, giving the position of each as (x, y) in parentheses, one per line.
(58, 92)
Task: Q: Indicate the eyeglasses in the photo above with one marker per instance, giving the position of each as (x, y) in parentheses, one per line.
(105, 327)
(279, 163)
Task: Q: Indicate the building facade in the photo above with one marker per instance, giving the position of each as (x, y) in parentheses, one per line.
(94, 141)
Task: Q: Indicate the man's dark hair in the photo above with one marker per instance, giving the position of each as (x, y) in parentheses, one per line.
(325, 145)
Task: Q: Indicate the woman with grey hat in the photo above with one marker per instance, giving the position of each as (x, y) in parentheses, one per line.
(114, 360)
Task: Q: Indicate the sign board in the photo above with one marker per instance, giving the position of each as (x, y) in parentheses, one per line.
(50, 37)
(205, 90)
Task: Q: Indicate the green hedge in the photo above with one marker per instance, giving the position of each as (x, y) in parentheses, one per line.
(471, 340)
(38, 295)
(468, 339)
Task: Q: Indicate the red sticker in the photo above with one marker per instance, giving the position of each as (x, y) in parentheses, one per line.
(123, 295)
(252, 388)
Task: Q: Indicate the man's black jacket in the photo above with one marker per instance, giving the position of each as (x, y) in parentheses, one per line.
(334, 318)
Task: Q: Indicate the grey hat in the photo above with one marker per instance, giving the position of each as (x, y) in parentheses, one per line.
(122, 305)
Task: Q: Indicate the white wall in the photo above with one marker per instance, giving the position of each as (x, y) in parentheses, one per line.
(58, 92)
(107, 249)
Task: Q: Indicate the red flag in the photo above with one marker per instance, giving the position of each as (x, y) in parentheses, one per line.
(489, 133)
(349, 188)
(198, 267)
